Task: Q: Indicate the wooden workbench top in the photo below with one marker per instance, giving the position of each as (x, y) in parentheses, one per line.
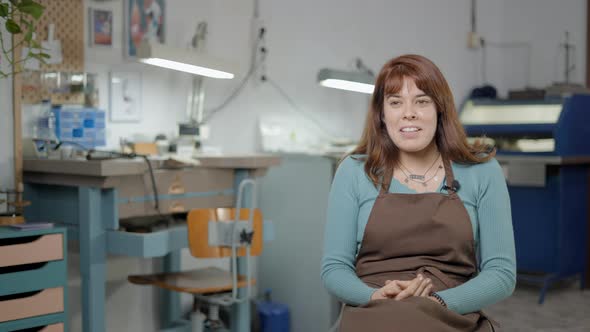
(118, 167)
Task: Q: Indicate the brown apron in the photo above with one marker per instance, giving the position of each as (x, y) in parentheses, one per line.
(407, 234)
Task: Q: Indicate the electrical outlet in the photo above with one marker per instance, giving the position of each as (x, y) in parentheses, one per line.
(473, 40)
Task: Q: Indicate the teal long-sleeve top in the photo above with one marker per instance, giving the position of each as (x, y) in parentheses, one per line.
(485, 196)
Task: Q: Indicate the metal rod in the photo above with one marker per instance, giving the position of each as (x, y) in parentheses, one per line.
(473, 11)
(567, 58)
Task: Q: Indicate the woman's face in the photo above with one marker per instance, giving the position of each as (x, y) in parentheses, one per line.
(410, 118)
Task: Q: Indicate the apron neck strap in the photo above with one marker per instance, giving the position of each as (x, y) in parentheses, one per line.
(386, 181)
(450, 185)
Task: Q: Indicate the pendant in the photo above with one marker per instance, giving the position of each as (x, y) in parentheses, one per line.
(407, 180)
(424, 184)
(417, 177)
(436, 178)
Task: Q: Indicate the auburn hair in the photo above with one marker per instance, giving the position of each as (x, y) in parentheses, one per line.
(380, 152)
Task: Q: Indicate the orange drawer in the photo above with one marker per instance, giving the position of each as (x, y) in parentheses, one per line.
(34, 249)
(47, 301)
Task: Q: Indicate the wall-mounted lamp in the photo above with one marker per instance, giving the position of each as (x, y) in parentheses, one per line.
(185, 60)
(361, 80)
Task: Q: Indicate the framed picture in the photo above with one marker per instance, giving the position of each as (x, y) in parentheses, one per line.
(101, 27)
(144, 20)
(125, 96)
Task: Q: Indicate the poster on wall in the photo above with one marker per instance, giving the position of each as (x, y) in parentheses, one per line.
(101, 27)
(125, 93)
(144, 20)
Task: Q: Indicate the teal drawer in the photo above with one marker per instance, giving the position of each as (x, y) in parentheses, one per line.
(31, 277)
(33, 322)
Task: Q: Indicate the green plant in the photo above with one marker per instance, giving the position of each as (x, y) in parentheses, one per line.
(20, 17)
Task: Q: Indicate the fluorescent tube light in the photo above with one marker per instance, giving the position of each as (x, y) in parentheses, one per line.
(197, 70)
(188, 61)
(358, 81)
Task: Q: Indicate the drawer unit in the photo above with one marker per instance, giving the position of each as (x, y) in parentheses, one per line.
(178, 191)
(33, 280)
(30, 304)
(31, 249)
(47, 323)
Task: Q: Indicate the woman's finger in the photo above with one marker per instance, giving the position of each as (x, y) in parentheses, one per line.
(391, 289)
(406, 283)
(420, 288)
(426, 291)
(410, 289)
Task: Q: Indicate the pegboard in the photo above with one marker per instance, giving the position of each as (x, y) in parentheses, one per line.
(68, 18)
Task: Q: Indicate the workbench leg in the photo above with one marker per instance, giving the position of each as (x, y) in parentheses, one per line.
(92, 259)
(241, 312)
(170, 306)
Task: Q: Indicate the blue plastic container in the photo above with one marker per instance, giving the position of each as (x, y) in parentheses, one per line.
(85, 126)
(274, 317)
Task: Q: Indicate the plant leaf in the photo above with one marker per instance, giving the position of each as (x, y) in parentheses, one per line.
(26, 22)
(32, 8)
(35, 44)
(39, 56)
(12, 26)
(4, 10)
(29, 36)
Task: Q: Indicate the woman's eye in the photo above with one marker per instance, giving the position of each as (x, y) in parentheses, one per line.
(394, 102)
(423, 101)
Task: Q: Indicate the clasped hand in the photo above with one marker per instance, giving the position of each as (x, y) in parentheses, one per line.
(402, 289)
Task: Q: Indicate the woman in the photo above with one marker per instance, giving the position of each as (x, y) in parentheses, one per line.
(419, 233)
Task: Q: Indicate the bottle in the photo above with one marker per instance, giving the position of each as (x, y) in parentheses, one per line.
(46, 131)
(46, 122)
(198, 321)
(273, 316)
(51, 126)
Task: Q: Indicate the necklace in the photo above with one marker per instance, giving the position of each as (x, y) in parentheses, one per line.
(425, 182)
(419, 177)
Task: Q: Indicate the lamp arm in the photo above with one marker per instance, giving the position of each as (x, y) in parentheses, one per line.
(362, 67)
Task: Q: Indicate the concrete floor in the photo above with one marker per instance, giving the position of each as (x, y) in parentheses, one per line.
(566, 309)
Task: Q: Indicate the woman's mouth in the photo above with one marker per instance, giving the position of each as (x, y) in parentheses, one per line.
(410, 131)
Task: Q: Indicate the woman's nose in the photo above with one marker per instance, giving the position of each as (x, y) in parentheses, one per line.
(409, 113)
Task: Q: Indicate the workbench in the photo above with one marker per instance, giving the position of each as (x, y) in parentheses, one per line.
(91, 197)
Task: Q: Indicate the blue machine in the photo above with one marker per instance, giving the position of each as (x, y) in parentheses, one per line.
(544, 149)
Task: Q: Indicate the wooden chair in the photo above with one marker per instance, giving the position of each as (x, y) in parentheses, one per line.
(211, 285)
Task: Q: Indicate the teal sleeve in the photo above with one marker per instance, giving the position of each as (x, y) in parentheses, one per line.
(340, 238)
(497, 277)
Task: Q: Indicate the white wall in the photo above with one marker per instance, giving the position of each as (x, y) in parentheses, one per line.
(542, 24)
(304, 36)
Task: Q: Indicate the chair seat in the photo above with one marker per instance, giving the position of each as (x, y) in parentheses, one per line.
(201, 281)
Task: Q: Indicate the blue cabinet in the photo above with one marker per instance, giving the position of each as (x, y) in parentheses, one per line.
(543, 148)
(33, 279)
